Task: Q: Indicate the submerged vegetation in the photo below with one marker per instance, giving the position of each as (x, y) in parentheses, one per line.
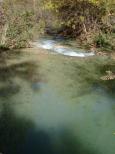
(91, 22)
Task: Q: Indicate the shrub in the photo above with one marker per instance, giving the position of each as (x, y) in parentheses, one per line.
(20, 26)
(104, 41)
(3, 47)
(101, 40)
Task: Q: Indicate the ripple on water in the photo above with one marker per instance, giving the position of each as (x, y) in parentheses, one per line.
(57, 47)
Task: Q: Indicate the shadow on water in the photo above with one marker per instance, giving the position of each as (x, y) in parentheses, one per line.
(87, 75)
(28, 71)
(19, 135)
(12, 130)
(25, 70)
(10, 89)
(70, 144)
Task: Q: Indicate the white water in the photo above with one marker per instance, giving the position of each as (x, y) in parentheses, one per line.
(57, 47)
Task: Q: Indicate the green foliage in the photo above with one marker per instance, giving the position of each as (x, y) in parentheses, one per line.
(85, 19)
(79, 12)
(3, 47)
(77, 18)
(104, 41)
(23, 23)
(101, 41)
(18, 33)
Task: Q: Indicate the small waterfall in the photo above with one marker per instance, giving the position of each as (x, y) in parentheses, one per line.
(57, 47)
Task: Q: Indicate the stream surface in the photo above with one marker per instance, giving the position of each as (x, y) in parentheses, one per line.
(54, 104)
(61, 46)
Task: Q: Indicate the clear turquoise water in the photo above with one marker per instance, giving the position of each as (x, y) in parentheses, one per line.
(56, 105)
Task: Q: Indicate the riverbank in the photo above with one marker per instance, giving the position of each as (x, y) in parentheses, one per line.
(61, 46)
(57, 47)
(43, 53)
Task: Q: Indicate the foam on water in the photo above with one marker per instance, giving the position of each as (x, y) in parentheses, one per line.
(61, 49)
